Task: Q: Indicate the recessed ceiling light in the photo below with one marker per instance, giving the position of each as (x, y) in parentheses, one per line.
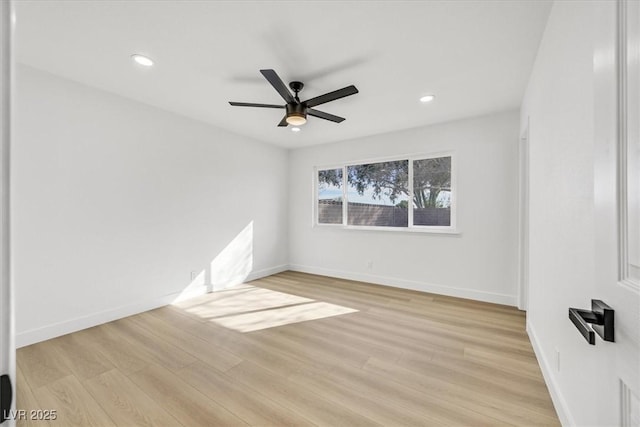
(142, 60)
(295, 129)
(427, 98)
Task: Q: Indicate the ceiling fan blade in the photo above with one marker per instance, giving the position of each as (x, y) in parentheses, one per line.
(251, 104)
(331, 96)
(278, 85)
(323, 115)
(283, 122)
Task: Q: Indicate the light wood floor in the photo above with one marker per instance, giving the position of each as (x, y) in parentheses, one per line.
(294, 349)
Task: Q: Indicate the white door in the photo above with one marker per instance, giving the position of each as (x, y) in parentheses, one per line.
(7, 346)
(617, 212)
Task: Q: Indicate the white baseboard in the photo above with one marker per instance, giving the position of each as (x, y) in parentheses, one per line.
(409, 284)
(44, 333)
(566, 419)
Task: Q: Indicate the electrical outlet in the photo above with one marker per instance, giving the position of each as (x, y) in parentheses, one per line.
(557, 359)
(194, 274)
(369, 265)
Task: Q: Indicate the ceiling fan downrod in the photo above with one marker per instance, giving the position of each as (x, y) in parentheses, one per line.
(296, 87)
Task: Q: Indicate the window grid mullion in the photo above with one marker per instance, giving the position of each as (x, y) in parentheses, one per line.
(410, 201)
(345, 202)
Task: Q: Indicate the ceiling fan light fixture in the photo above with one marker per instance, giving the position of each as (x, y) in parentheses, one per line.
(295, 129)
(296, 114)
(296, 119)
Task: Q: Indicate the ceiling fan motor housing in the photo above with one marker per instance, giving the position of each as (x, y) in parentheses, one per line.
(296, 110)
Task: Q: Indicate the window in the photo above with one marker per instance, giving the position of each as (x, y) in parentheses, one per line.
(410, 193)
(432, 191)
(330, 196)
(377, 194)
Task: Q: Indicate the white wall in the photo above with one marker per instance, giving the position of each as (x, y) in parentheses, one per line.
(116, 202)
(559, 105)
(480, 263)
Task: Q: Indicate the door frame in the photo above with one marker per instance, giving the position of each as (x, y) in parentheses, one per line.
(7, 318)
(523, 219)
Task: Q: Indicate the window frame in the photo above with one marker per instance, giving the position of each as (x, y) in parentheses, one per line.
(316, 196)
(411, 228)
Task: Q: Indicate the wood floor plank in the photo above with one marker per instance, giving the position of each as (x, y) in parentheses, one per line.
(26, 401)
(433, 408)
(394, 336)
(160, 352)
(184, 402)
(513, 363)
(126, 358)
(404, 358)
(241, 345)
(377, 409)
(483, 380)
(276, 355)
(499, 406)
(324, 346)
(396, 323)
(248, 404)
(205, 351)
(302, 400)
(74, 406)
(80, 356)
(41, 364)
(127, 404)
(336, 328)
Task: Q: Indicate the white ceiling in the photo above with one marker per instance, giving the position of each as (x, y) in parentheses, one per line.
(475, 56)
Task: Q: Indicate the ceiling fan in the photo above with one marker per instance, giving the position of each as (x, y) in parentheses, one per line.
(296, 110)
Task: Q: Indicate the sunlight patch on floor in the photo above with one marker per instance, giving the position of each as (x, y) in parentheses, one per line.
(264, 319)
(247, 308)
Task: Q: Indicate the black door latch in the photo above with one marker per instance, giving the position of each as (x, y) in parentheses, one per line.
(600, 317)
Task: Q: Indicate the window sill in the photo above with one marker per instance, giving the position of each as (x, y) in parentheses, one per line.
(428, 230)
